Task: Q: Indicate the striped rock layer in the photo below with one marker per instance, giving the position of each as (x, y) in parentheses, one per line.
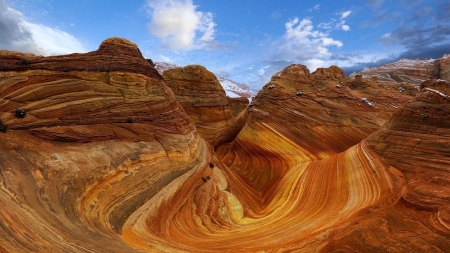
(107, 160)
(204, 100)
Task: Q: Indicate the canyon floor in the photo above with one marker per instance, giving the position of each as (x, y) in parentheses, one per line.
(101, 153)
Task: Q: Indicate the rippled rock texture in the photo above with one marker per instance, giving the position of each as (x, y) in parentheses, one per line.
(412, 72)
(205, 101)
(86, 139)
(97, 154)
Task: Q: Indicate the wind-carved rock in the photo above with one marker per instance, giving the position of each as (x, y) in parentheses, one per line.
(409, 71)
(416, 141)
(204, 100)
(86, 140)
(323, 163)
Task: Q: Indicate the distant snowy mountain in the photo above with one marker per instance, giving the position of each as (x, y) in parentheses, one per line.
(232, 89)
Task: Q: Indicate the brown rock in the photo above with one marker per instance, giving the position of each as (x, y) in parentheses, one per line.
(101, 95)
(204, 100)
(237, 105)
(416, 141)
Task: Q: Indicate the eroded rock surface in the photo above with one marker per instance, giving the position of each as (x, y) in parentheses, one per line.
(129, 138)
(410, 71)
(204, 100)
(99, 158)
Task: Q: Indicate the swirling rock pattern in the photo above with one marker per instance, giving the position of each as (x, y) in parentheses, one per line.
(204, 100)
(129, 138)
(105, 159)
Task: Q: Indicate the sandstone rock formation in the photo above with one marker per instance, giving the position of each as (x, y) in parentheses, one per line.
(237, 105)
(129, 138)
(232, 89)
(97, 154)
(204, 100)
(416, 141)
(409, 71)
(299, 117)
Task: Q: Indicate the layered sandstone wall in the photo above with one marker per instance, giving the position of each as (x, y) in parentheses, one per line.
(205, 101)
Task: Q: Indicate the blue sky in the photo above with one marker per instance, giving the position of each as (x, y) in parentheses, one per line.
(246, 41)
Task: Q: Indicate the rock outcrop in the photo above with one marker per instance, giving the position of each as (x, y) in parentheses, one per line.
(300, 117)
(416, 141)
(237, 105)
(409, 71)
(98, 154)
(204, 100)
(232, 89)
(129, 139)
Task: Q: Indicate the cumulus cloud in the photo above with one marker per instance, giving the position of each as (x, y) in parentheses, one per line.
(301, 42)
(17, 34)
(180, 26)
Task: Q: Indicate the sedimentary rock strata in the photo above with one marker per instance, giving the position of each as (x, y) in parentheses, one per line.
(128, 139)
(416, 141)
(237, 105)
(409, 71)
(97, 154)
(204, 100)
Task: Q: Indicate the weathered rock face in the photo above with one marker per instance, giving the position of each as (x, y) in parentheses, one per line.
(324, 163)
(204, 100)
(105, 94)
(300, 117)
(413, 72)
(237, 105)
(232, 89)
(74, 196)
(444, 67)
(416, 141)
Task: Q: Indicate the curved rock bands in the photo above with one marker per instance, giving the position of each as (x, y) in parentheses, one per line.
(114, 54)
(61, 197)
(415, 140)
(310, 202)
(75, 109)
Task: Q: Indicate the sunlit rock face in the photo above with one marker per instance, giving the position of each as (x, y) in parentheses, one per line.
(95, 157)
(416, 141)
(299, 117)
(204, 100)
(128, 139)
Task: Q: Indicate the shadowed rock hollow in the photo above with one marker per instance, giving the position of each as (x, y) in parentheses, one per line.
(105, 157)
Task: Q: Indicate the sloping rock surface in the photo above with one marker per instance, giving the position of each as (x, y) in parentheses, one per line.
(97, 154)
(204, 100)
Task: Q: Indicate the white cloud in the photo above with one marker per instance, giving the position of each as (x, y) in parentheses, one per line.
(179, 25)
(315, 8)
(337, 24)
(17, 34)
(303, 44)
(345, 14)
(261, 72)
(53, 41)
(165, 58)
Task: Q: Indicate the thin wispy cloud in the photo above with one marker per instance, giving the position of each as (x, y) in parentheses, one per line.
(315, 8)
(179, 25)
